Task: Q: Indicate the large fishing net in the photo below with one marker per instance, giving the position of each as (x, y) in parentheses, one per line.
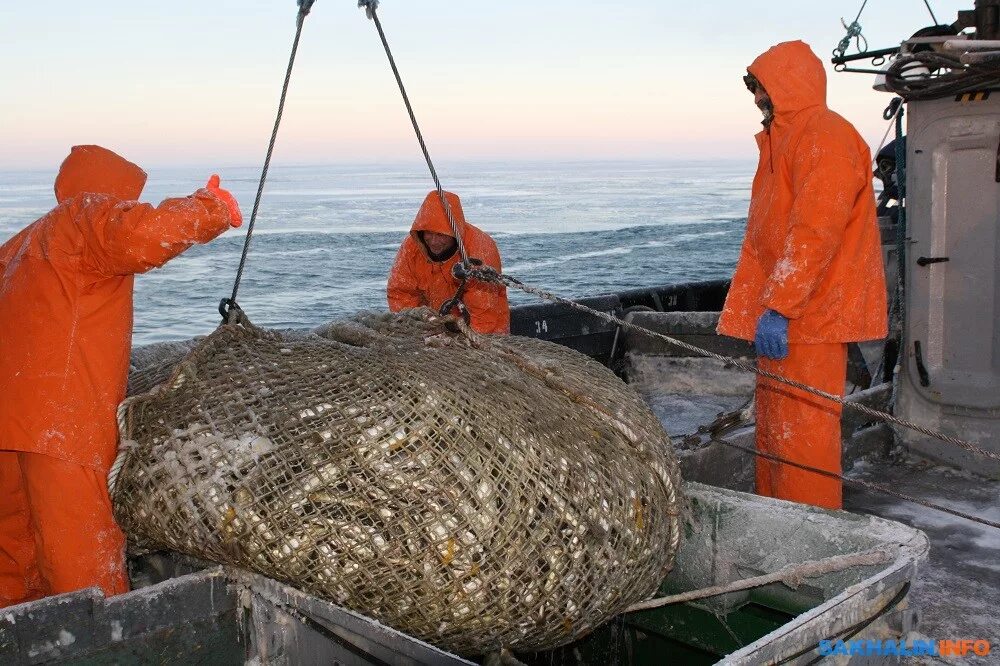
(474, 491)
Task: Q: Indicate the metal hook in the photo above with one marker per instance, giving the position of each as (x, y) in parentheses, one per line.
(228, 308)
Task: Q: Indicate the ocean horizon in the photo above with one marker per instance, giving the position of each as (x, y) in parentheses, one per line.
(326, 236)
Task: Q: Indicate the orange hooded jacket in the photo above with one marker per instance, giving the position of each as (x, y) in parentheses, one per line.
(417, 280)
(66, 303)
(812, 246)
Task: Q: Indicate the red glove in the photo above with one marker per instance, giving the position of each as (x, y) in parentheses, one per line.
(235, 216)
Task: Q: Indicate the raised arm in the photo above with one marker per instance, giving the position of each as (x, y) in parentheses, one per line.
(134, 237)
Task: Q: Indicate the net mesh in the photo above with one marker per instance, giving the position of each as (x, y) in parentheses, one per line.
(473, 491)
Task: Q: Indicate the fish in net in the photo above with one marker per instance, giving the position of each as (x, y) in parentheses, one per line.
(476, 492)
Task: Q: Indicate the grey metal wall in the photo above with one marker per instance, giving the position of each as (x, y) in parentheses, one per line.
(951, 369)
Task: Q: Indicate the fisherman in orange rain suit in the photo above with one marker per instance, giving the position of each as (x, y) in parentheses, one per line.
(422, 272)
(65, 335)
(810, 277)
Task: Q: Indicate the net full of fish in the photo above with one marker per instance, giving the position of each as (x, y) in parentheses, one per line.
(473, 491)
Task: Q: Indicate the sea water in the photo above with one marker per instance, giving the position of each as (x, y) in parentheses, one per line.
(326, 236)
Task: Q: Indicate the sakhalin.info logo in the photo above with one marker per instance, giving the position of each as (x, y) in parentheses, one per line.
(942, 648)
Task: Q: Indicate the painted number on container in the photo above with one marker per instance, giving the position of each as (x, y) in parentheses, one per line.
(541, 326)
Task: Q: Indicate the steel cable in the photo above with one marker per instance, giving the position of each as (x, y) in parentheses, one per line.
(371, 7)
(489, 275)
(228, 305)
(931, 11)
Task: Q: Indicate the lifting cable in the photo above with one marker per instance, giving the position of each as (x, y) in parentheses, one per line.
(229, 305)
(371, 7)
(928, 5)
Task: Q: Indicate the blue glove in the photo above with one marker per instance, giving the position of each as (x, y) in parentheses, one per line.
(771, 339)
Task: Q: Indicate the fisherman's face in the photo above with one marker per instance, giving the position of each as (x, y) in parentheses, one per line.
(760, 97)
(763, 102)
(438, 243)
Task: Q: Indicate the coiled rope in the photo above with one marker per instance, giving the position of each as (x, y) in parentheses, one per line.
(909, 76)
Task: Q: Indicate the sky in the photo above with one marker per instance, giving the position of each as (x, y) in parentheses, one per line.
(195, 83)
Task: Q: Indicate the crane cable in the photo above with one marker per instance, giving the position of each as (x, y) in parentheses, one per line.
(371, 10)
(228, 306)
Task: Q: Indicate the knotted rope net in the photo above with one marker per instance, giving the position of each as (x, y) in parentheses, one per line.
(473, 491)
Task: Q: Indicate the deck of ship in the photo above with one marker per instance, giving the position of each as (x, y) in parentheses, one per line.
(958, 590)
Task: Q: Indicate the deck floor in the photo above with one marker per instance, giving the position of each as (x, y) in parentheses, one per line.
(958, 590)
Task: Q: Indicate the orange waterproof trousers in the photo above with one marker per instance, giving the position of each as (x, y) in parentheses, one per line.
(57, 531)
(801, 427)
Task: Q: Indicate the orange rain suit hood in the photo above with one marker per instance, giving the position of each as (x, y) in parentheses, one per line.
(417, 280)
(66, 303)
(99, 171)
(812, 246)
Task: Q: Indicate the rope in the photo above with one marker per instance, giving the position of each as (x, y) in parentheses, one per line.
(928, 5)
(853, 31)
(489, 275)
(881, 144)
(897, 315)
(950, 76)
(790, 575)
(370, 7)
(867, 485)
(228, 305)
